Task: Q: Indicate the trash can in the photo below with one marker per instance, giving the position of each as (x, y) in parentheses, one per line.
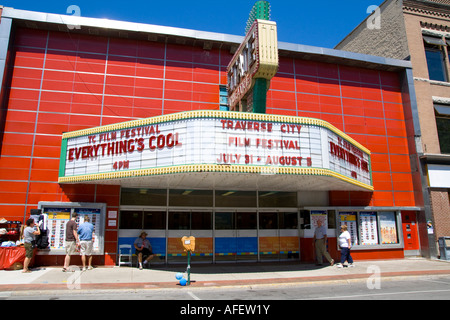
(444, 248)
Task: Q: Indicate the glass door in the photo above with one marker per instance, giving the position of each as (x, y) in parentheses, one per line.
(179, 223)
(278, 235)
(235, 236)
(155, 225)
(289, 235)
(247, 236)
(269, 236)
(225, 236)
(196, 223)
(201, 229)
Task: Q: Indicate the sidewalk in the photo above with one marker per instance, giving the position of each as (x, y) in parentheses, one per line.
(217, 275)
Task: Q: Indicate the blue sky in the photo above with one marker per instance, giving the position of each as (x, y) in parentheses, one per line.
(316, 23)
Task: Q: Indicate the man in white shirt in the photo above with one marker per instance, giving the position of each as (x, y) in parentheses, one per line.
(320, 241)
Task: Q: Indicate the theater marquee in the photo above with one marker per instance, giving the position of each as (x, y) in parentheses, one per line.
(215, 143)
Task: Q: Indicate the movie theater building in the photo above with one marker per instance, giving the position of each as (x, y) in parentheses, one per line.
(129, 124)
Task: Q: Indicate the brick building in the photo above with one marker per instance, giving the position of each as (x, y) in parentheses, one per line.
(419, 31)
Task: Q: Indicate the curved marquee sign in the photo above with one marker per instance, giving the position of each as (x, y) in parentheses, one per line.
(217, 143)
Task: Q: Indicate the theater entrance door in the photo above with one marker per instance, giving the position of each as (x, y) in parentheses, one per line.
(235, 236)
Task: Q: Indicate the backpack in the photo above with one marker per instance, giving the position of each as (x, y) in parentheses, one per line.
(42, 241)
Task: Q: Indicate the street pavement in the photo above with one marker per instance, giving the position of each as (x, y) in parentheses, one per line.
(46, 279)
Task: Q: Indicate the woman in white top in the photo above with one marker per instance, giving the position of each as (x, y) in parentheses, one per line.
(345, 243)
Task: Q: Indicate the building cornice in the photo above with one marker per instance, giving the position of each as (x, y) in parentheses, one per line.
(427, 8)
(435, 26)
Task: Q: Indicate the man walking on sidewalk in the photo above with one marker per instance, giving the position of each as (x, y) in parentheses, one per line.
(320, 242)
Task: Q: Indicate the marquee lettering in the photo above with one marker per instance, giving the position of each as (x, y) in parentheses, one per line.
(270, 143)
(123, 147)
(348, 156)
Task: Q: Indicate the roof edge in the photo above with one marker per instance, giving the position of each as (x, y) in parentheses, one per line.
(318, 52)
(116, 25)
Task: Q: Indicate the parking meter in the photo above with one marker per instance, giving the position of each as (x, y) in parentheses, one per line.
(189, 246)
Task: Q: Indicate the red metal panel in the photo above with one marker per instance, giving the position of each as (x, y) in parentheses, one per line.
(410, 230)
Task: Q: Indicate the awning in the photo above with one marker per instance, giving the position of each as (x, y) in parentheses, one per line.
(434, 41)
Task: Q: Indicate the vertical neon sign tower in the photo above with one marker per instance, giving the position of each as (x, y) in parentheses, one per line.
(261, 11)
(255, 62)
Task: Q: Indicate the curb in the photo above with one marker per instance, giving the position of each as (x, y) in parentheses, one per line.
(86, 288)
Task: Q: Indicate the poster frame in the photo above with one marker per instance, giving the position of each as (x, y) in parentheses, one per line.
(379, 245)
(72, 206)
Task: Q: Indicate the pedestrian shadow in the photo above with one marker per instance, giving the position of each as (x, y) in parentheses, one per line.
(242, 267)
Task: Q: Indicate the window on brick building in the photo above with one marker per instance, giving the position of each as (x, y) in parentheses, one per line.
(442, 113)
(435, 54)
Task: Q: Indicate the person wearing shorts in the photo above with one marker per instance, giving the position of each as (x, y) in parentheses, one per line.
(29, 234)
(71, 240)
(85, 234)
(143, 248)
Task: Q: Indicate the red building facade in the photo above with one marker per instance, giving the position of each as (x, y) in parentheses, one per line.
(60, 81)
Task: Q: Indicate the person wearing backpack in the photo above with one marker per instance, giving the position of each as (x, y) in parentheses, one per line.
(29, 235)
